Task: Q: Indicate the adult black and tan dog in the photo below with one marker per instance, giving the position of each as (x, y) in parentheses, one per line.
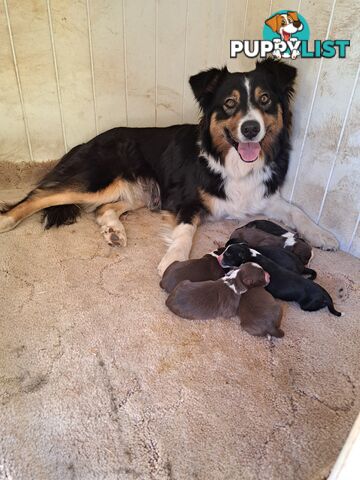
(229, 166)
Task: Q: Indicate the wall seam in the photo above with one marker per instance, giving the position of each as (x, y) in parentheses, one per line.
(156, 59)
(125, 64)
(18, 80)
(92, 65)
(56, 75)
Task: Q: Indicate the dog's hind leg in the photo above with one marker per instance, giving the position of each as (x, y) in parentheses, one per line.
(279, 209)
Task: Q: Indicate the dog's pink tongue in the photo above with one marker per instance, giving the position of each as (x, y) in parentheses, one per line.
(249, 151)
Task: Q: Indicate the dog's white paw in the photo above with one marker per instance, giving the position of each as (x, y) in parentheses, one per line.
(295, 54)
(114, 236)
(320, 238)
(171, 256)
(277, 54)
(6, 223)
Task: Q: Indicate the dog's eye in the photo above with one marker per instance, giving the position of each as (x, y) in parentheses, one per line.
(230, 103)
(264, 99)
(283, 21)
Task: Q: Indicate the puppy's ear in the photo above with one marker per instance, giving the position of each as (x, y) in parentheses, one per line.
(283, 74)
(205, 84)
(274, 22)
(232, 241)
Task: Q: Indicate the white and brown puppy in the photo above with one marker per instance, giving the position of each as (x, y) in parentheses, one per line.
(260, 314)
(220, 298)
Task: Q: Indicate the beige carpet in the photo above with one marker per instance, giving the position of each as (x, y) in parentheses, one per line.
(98, 380)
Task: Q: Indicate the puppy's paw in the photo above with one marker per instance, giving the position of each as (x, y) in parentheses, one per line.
(114, 236)
(295, 54)
(6, 223)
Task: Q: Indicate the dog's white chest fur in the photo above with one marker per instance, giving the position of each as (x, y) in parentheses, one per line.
(244, 187)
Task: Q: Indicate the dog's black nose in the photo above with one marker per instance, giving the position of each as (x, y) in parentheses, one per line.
(250, 129)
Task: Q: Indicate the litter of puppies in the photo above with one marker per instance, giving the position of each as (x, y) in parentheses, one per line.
(260, 262)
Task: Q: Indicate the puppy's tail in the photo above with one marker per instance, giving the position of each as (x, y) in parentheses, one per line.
(310, 273)
(331, 307)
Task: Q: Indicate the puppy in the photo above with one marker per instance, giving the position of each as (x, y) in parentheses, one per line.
(197, 270)
(284, 284)
(264, 233)
(285, 25)
(260, 314)
(220, 298)
(286, 259)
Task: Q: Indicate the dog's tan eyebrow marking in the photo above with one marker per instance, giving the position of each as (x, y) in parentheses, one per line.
(235, 94)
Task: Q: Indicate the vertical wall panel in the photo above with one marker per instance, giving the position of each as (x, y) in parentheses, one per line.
(329, 108)
(355, 244)
(258, 11)
(13, 143)
(106, 21)
(306, 87)
(73, 58)
(234, 30)
(140, 58)
(171, 46)
(33, 51)
(344, 188)
(205, 33)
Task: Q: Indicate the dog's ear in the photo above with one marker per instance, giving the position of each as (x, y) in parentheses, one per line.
(205, 84)
(284, 74)
(274, 22)
(293, 16)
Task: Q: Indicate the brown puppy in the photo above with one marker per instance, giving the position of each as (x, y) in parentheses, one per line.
(259, 313)
(255, 236)
(220, 298)
(197, 270)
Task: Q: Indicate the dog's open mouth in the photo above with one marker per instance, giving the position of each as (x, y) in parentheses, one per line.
(286, 36)
(248, 151)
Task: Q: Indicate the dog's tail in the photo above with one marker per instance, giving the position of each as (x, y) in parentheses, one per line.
(60, 215)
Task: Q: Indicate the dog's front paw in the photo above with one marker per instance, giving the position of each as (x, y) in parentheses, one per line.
(277, 54)
(6, 223)
(295, 54)
(323, 239)
(115, 237)
(171, 256)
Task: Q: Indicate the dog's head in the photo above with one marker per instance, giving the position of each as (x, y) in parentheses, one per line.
(245, 112)
(285, 24)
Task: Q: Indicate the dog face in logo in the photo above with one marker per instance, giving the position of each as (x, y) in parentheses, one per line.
(285, 24)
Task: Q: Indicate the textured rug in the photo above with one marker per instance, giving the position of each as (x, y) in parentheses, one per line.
(98, 380)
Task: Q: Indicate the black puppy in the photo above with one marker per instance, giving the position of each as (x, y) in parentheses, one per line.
(284, 284)
(283, 257)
